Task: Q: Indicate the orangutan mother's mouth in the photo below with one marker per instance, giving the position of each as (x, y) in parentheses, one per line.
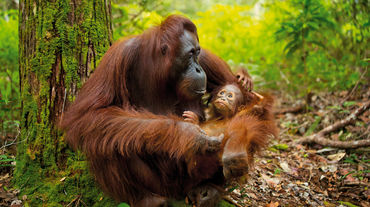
(200, 92)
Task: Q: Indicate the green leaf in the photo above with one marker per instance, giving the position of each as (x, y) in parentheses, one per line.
(123, 205)
(3, 157)
(346, 203)
(293, 49)
(281, 147)
(316, 43)
(277, 171)
(349, 103)
(291, 44)
(7, 160)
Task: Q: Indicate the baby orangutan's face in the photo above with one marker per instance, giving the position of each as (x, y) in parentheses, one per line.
(227, 100)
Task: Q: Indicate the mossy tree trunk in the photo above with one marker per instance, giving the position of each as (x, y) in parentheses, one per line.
(60, 43)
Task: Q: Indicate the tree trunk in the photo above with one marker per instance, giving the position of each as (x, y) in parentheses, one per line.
(60, 43)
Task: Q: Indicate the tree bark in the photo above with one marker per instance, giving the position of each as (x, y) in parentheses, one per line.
(60, 44)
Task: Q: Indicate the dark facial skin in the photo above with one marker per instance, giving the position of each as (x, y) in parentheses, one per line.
(193, 79)
(227, 100)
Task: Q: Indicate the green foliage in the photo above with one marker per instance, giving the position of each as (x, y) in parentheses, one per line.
(240, 36)
(302, 26)
(310, 29)
(286, 43)
(9, 75)
(6, 161)
(130, 18)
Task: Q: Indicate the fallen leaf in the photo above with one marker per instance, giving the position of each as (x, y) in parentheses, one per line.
(270, 181)
(335, 136)
(16, 203)
(364, 118)
(336, 157)
(272, 204)
(285, 167)
(343, 93)
(299, 147)
(252, 195)
(329, 168)
(6, 176)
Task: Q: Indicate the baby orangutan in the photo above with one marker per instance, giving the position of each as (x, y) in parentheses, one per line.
(224, 104)
(246, 120)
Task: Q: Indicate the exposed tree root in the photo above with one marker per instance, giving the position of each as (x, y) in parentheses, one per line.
(319, 138)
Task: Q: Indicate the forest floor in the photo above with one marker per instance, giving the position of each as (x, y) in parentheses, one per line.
(291, 174)
(287, 173)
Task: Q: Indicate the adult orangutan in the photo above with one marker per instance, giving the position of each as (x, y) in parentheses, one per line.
(127, 116)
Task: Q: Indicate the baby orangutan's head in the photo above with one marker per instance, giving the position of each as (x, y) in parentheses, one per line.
(227, 99)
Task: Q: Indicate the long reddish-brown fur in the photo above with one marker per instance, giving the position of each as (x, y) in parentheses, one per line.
(125, 118)
(246, 133)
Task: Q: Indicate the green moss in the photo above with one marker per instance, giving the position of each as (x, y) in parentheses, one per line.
(55, 40)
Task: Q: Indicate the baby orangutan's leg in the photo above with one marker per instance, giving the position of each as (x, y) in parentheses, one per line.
(235, 157)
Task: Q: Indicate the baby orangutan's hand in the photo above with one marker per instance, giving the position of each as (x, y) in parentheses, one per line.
(191, 117)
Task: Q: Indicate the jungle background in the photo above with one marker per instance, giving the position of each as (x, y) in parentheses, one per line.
(313, 55)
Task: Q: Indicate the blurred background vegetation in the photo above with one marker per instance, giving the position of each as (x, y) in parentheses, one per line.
(293, 46)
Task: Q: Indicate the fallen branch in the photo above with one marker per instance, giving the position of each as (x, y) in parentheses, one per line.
(319, 138)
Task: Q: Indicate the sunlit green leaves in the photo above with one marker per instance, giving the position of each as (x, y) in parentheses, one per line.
(133, 18)
(300, 29)
(9, 75)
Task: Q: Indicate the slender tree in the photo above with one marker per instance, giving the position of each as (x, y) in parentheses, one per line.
(60, 44)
